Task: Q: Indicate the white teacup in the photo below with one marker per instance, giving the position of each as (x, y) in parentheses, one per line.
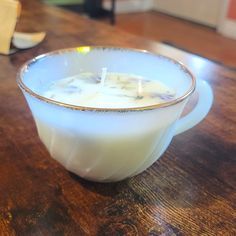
(102, 144)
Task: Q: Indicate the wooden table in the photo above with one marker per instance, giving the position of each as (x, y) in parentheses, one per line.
(189, 191)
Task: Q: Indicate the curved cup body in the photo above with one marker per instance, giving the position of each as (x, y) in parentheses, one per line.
(104, 145)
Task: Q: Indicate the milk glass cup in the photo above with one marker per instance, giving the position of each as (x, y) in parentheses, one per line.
(105, 144)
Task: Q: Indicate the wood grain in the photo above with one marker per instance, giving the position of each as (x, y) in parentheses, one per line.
(190, 36)
(189, 191)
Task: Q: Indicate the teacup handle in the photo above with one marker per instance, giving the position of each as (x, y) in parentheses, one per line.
(205, 100)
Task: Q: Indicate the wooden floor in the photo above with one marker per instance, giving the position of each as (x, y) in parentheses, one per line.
(192, 37)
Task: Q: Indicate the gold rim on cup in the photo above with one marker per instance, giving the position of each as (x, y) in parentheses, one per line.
(29, 63)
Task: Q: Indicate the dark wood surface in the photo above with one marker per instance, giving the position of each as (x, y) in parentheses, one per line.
(189, 191)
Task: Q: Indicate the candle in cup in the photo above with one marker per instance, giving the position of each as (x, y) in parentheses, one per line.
(105, 144)
(119, 91)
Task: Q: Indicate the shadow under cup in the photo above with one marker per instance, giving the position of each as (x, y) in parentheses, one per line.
(104, 144)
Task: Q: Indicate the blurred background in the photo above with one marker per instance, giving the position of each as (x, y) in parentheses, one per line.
(203, 27)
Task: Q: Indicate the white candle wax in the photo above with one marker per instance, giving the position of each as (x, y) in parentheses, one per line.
(118, 91)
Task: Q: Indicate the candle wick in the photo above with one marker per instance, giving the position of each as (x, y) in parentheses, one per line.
(103, 76)
(140, 88)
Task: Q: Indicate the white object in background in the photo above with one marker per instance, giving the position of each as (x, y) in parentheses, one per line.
(226, 26)
(205, 12)
(127, 6)
(197, 11)
(27, 40)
